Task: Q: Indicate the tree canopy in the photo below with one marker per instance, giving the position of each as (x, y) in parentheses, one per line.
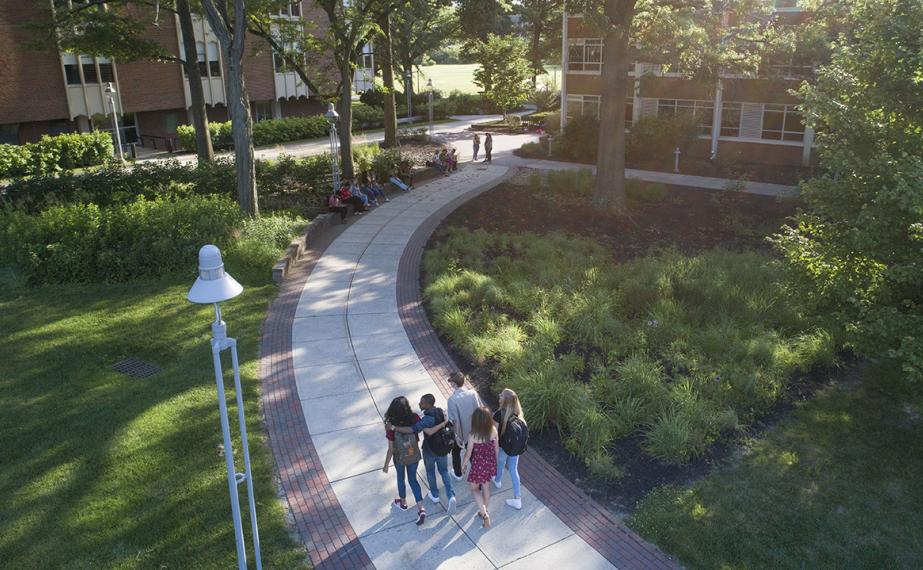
(503, 70)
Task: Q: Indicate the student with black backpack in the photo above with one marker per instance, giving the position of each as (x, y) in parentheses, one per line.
(514, 440)
(438, 439)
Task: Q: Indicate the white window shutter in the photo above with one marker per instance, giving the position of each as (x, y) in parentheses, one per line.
(648, 107)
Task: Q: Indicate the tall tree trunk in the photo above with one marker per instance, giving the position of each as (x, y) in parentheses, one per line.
(610, 162)
(203, 140)
(346, 121)
(233, 43)
(387, 76)
(535, 52)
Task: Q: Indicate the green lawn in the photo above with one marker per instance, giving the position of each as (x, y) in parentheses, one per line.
(836, 485)
(447, 78)
(101, 470)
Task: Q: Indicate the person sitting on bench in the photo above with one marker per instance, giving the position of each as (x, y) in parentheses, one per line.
(346, 197)
(371, 188)
(334, 205)
(396, 180)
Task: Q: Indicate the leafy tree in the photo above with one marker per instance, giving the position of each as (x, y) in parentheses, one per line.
(857, 249)
(480, 18)
(119, 31)
(422, 27)
(504, 70)
(706, 36)
(541, 24)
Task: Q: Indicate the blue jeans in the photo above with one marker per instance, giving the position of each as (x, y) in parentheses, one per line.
(411, 471)
(512, 462)
(374, 190)
(432, 461)
(399, 183)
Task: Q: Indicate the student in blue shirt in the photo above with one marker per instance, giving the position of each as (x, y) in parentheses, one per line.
(432, 421)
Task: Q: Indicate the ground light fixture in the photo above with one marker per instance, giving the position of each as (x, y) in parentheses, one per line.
(333, 117)
(213, 287)
(110, 94)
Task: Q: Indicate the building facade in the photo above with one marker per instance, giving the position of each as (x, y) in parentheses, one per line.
(44, 92)
(740, 119)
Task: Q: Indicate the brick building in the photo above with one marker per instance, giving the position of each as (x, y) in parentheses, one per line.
(44, 92)
(740, 119)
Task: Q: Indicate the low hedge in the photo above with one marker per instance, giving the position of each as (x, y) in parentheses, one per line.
(90, 243)
(53, 154)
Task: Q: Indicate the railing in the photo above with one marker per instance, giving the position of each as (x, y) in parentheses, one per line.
(169, 143)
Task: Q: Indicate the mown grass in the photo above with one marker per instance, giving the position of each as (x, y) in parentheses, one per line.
(676, 349)
(100, 470)
(835, 485)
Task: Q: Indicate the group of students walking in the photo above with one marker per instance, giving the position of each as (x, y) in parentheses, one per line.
(482, 446)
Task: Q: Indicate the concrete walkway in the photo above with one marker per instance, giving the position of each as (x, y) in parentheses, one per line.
(352, 356)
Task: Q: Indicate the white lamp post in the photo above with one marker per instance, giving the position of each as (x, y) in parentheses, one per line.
(429, 88)
(332, 118)
(408, 81)
(211, 288)
(110, 92)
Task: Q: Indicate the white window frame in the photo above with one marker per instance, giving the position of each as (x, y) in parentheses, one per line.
(695, 105)
(581, 44)
(580, 101)
(786, 111)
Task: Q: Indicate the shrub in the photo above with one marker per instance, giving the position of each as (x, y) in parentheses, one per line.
(579, 140)
(365, 117)
(84, 242)
(220, 134)
(270, 131)
(575, 184)
(53, 154)
(546, 100)
(641, 191)
(654, 138)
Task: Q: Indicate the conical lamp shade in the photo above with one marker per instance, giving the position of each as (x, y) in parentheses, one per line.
(213, 284)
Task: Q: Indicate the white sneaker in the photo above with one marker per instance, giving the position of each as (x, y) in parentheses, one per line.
(497, 484)
(431, 497)
(451, 508)
(515, 503)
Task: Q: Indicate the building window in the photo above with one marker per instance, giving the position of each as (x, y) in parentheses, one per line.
(214, 62)
(278, 62)
(702, 113)
(585, 55)
(367, 61)
(629, 112)
(262, 110)
(591, 104)
(785, 4)
(71, 73)
(9, 134)
(105, 70)
(782, 122)
(58, 127)
(203, 64)
(730, 119)
(89, 69)
(295, 9)
(169, 123)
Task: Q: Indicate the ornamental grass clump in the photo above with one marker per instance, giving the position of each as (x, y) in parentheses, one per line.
(671, 349)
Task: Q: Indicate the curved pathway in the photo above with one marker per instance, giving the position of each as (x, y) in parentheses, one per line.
(358, 338)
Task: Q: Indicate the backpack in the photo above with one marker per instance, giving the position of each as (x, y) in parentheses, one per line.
(333, 201)
(441, 442)
(406, 448)
(515, 438)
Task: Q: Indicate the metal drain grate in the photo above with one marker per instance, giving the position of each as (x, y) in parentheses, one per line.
(136, 368)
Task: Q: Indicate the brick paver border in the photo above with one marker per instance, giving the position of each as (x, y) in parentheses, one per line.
(316, 514)
(587, 518)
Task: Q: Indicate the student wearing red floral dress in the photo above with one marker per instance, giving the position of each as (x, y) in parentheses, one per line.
(482, 452)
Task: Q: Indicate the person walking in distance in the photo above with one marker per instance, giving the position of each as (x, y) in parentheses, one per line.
(476, 145)
(406, 453)
(482, 452)
(514, 437)
(488, 147)
(461, 405)
(437, 444)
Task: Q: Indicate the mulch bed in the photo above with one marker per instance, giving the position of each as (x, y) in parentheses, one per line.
(688, 219)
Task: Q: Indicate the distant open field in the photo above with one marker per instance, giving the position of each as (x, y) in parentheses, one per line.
(448, 78)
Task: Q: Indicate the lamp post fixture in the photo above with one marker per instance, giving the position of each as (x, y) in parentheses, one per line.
(408, 81)
(212, 287)
(110, 93)
(429, 88)
(332, 118)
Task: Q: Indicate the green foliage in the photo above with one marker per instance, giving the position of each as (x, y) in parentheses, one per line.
(365, 117)
(640, 191)
(672, 348)
(854, 253)
(547, 100)
(580, 139)
(654, 138)
(53, 154)
(503, 71)
(270, 131)
(143, 238)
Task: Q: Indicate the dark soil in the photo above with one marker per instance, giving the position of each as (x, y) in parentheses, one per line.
(687, 219)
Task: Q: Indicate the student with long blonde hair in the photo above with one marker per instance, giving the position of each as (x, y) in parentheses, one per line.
(513, 437)
(482, 452)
